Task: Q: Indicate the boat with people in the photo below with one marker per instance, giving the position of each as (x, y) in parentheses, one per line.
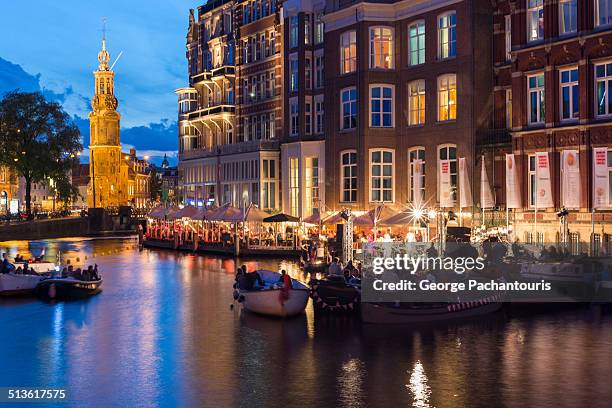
(67, 288)
(334, 294)
(12, 283)
(272, 294)
(70, 284)
(406, 313)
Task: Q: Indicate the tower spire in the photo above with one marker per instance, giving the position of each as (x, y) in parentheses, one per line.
(103, 55)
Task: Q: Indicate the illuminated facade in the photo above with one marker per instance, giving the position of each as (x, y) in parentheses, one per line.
(8, 188)
(104, 143)
(116, 178)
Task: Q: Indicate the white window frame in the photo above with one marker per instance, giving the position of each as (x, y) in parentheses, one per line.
(531, 179)
(570, 84)
(454, 186)
(607, 80)
(597, 13)
(382, 99)
(319, 31)
(352, 176)
(446, 81)
(308, 115)
(319, 127)
(420, 52)
(382, 177)
(420, 98)
(294, 117)
(294, 73)
(415, 150)
(348, 45)
(377, 34)
(536, 8)
(294, 26)
(294, 186)
(508, 96)
(508, 36)
(308, 72)
(574, 3)
(541, 110)
(319, 74)
(444, 49)
(350, 103)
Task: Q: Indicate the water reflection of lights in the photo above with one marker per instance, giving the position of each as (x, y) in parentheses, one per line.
(58, 338)
(419, 387)
(350, 383)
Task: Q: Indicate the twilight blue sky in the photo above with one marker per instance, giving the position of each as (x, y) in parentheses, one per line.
(60, 40)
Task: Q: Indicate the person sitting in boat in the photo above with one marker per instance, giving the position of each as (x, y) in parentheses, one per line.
(18, 271)
(335, 268)
(64, 273)
(86, 274)
(6, 265)
(19, 258)
(283, 276)
(78, 274)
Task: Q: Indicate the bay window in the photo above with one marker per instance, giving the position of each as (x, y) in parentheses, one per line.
(348, 100)
(416, 43)
(348, 52)
(381, 47)
(381, 105)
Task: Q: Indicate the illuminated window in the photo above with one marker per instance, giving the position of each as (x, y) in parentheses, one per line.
(348, 52)
(449, 152)
(294, 189)
(535, 20)
(535, 85)
(416, 153)
(416, 43)
(447, 35)
(447, 97)
(381, 47)
(381, 175)
(416, 102)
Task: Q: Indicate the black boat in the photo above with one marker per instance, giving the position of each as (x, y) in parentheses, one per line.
(334, 294)
(67, 288)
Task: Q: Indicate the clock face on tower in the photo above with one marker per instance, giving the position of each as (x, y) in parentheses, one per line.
(104, 102)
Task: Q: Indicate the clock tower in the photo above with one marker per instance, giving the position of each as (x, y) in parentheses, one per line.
(105, 187)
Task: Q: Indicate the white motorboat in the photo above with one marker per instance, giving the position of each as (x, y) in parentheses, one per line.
(38, 267)
(18, 284)
(270, 300)
(561, 272)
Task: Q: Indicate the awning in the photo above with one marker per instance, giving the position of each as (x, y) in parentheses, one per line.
(314, 218)
(281, 218)
(185, 212)
(255, 214)
(334, 219)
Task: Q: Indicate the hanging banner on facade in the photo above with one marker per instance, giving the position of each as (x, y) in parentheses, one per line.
(570, 182)
(601, 189)
(417, 182)
(465, 191)
(543, 192)
(486, 196)
(446, 198)
(513, 190)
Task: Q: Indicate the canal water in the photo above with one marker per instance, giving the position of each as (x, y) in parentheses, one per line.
(162, 334)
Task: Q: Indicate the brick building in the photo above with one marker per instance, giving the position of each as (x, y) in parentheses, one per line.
(405, 80)
(553, 65)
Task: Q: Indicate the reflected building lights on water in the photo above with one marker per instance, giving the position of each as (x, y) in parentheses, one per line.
(350, 383)
(418, 386)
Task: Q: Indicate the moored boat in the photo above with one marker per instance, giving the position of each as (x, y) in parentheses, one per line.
(67, 288)
(334, 294)
(18, 284)
(272, 299)
(404, 313)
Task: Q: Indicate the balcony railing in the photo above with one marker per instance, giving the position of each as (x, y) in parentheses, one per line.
(235, 148)
(204, 113)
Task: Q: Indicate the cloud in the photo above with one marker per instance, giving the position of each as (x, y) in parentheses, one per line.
(153, 139)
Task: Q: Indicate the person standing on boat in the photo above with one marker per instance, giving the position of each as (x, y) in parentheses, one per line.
(6, 265)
